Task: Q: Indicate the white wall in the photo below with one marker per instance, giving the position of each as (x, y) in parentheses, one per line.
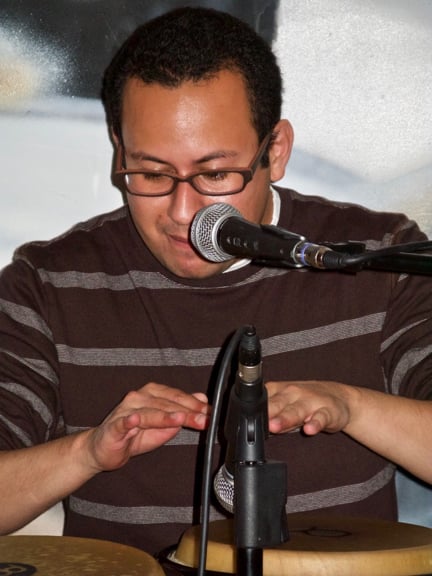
(358, 90)
(54, 171)
(358, 85)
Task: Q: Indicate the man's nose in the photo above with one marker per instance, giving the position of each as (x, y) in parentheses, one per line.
(185, 203)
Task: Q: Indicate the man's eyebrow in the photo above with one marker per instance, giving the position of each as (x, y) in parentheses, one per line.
(140, 155)
(216, 155)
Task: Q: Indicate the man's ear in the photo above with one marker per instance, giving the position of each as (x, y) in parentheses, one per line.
(280, 150)
(114, 138)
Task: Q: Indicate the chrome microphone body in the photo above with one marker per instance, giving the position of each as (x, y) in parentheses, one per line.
(219, 233)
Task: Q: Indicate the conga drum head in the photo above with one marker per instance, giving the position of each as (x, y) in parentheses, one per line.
(70, 556)
(322, 546)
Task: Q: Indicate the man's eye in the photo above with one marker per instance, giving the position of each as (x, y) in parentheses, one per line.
(216, 176)
(154, 177)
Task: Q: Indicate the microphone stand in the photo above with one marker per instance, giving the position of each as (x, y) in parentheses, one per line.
(348, 256)
(259, 486)
(403, 259)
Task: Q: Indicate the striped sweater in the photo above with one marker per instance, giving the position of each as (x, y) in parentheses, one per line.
(91, 315)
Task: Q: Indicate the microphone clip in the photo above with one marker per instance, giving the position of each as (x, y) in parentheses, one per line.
(260, 496)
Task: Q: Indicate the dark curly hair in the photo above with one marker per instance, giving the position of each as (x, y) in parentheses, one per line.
(192, 44)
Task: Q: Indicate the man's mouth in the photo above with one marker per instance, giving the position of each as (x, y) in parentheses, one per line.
(182, 242)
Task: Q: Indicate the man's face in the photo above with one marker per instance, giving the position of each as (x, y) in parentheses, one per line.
(197, 126)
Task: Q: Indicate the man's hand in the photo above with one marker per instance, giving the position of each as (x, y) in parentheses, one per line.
(395, 427)
(46, 473)
(144, 420)
(315, 406)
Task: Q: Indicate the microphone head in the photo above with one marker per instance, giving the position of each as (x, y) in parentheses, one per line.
(223, 485)
(205, 228)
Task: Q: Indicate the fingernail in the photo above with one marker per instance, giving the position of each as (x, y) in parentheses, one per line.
(200, 418)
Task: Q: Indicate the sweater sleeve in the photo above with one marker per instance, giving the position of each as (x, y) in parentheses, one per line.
(406, 348)
(29, 384)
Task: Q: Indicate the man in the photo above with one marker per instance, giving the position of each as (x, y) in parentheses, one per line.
(111, 335)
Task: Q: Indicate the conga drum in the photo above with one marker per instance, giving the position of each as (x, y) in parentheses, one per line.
(322, 546)
(70, 556)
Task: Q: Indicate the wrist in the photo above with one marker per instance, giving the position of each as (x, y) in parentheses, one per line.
(84, 454)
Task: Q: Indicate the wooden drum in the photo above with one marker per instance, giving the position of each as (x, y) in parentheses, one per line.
(70, 556)
(322, 546)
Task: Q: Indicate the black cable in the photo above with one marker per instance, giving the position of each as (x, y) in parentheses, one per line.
(210, 442)
(363, 257)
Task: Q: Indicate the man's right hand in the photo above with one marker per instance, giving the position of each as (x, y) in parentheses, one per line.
(144, 420)
(34, 479)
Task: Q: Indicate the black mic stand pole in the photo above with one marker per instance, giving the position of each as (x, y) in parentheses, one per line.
(259, 486)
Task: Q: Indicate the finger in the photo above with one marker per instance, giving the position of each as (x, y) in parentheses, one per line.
(150, 418)
(172, 399)
(320, 420)
(279, 425)
(144, 419)
(201, 397)
(284, 416)
(196, 402)
(312, 426)
(277, 405)
(197, 421)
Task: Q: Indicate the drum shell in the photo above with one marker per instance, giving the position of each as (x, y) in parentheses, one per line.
(323, 546)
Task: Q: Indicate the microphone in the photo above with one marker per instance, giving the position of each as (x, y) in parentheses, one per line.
(219, 232)
(246, 425)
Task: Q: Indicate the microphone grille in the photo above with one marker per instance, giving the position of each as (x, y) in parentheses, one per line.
(205, 227)
(223, 485)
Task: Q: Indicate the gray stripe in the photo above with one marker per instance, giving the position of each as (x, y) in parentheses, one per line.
(38, 366)
(408, 361)
(387, 343)
(75, 429)
(136, 514)
(183, 514)
(18, 432)
(207, 356)
(87, 280)
(342, 494)
(31, 398)
(26, 316)
(184, 437)
(387, 240)
(136, 356)
(323, 335)
(134, 279)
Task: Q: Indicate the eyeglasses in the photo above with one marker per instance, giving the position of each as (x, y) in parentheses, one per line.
(220, 182)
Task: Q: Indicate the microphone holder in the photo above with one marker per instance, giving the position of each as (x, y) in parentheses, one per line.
(259, 486)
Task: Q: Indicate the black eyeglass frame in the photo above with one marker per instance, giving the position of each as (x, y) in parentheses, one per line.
(247, 173)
